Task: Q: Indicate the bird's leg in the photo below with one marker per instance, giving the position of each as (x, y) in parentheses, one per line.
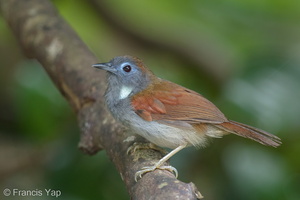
(159, 164)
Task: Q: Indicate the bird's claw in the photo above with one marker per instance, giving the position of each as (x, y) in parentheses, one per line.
(144, 170)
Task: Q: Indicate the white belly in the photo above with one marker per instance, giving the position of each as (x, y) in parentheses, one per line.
(168, 136)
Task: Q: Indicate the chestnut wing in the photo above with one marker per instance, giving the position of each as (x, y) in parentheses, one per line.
(170, 102)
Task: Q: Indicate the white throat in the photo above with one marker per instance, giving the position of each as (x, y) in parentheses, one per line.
(125, 91)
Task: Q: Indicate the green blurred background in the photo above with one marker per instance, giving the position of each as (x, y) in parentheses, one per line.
(242, 55)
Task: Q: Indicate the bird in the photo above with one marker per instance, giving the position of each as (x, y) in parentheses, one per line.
(165, 113)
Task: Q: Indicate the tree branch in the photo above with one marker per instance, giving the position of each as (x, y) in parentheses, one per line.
(45, 36)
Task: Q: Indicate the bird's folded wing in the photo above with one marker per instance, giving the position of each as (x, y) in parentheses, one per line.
(167, 101)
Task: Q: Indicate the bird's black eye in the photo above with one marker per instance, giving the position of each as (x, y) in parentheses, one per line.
(127, 68)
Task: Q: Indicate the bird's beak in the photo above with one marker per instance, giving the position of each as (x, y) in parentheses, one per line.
(105, 66)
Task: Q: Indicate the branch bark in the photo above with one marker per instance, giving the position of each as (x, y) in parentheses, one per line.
(45, 36)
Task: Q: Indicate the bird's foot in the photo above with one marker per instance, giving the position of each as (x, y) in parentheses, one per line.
(144, 170)
(138, 146)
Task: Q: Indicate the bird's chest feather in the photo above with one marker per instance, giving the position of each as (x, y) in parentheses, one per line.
(124, 91)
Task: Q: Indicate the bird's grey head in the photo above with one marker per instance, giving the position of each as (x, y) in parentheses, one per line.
(127, 75)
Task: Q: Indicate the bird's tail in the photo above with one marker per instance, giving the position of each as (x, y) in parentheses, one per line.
(250, 132)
